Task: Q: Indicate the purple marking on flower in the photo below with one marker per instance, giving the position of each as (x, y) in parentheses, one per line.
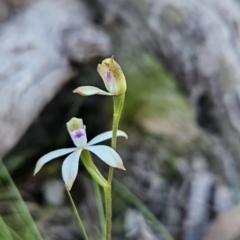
(78, 134)
(108, 76)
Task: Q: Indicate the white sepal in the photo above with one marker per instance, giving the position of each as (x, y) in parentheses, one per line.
(89, 91)
(108, 155)
(49, 156)
(106, 135)
(70, 168)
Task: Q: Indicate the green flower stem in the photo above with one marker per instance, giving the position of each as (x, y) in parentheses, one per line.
(118, 102)
(77, 215)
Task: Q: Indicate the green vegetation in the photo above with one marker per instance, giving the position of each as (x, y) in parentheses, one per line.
(16, 222)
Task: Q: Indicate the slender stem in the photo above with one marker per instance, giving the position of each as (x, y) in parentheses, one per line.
(77, 215)
(118, 102)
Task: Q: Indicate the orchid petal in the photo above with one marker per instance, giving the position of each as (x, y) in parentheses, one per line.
(103, 71)
(89, 90)
(108, 155)
(106, 135)
(79, 137)
(49, 156)
(70, 168)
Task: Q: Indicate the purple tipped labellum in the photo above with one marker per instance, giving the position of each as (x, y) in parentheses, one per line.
(78, 134)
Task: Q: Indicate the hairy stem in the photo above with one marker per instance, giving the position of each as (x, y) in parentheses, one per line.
(118, 102)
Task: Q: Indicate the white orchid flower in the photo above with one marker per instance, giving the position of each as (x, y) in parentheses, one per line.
(77, 132)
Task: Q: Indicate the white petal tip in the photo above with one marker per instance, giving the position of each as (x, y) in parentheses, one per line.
(36, 170)
(69, 186)
(122, 167)
(80, 92)
(122, 134)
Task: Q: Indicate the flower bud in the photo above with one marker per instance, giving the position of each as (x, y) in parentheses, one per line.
(112, 76)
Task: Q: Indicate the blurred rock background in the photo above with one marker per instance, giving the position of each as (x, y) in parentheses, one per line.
(181, 61)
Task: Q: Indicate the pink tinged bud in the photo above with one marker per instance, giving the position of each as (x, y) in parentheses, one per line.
(112, 76)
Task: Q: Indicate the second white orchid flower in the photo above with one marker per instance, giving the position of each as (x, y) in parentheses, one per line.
(113, 78)
(77, 132)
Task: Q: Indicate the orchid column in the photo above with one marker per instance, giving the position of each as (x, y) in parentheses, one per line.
(115, 83)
